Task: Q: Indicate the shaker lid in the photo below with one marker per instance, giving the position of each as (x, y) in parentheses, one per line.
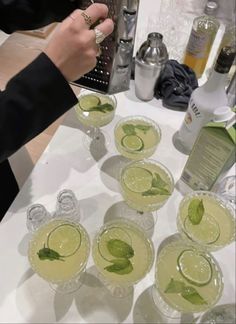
(223, 114)
(153, 50)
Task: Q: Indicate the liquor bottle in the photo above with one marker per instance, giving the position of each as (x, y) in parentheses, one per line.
(201, 39)
(204, 100)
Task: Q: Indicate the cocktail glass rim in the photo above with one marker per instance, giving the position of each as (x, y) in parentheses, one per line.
(88, 243)
(186, 246)
(84, 92)
(150, 161)
(222, 202)
(131, 224)
(149, 120)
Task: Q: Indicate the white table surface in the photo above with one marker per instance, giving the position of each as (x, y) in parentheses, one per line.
(26, 298)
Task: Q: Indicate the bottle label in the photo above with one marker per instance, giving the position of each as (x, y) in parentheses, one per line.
(197, 44)
(191, 125)
(212, 152)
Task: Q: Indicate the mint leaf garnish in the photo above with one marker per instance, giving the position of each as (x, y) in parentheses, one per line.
(156, 191)
(158, 182)
(195, 211)
(187, 292)
(129, 129)
(174, 287)
(49, 254)
(143, 128)
(191, 295)
(102, 108)
(120, 266)
(120, 249)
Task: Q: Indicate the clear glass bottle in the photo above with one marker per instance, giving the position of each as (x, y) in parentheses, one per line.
(204, 100)
(67, 206)
(201, 39)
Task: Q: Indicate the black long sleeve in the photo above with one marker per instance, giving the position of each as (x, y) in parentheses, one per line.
(33, 99)
(32, 14)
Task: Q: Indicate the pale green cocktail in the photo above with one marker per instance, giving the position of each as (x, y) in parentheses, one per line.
(137, 137)
(59, 250)
(95, 109)
(207, 219)
(187, 278)
(122, 253)
(146, 185)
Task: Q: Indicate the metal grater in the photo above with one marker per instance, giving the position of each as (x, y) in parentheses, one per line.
(113, 70)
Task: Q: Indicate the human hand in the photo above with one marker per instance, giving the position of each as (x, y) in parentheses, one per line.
(73, 48)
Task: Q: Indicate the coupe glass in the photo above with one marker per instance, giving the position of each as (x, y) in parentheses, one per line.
(206, 219)
(187, 279)
(59, 248)
(95, 110)
(221, 314)
(137, 137)
(146, 186)
(123, 254)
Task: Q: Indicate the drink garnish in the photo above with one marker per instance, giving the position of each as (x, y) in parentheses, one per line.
(187, 292)
(137, 179)
(196, 211)
(132, 142)
(120, 266)
(88, 101)
(120, 249)
(123, 252)
(49, 254)
(129, 129)
(191, 295)
(158, 187)
(65, 238)
(93, 103)
(174, 287)
(207, 231)
(195, 268)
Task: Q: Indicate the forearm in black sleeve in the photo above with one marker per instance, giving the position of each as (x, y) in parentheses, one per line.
(32, 100)
(31, 14)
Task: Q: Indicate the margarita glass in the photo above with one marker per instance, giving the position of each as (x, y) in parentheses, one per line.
(146, 185)
(137, 137)
(95, 110)
(58, 252)
(123, 255)
(187, 279)
(206, 219)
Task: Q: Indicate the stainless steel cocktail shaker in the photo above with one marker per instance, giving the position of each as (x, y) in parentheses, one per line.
(149, 62)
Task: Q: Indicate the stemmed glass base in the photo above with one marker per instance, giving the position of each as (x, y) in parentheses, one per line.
(96, 139)
(118, 291)
(145, 220)
(68, 287)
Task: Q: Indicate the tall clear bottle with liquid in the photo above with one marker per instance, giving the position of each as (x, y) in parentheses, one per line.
(201, 39)
(204, 100)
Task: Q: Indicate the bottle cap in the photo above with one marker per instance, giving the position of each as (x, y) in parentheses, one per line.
(211, 8)
(225, 59)
(223, 114)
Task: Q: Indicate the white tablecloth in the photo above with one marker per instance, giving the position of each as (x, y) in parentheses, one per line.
(26, 298)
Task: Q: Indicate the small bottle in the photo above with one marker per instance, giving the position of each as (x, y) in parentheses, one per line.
(67, 206)
(201, 39)
(204, 100)
(37, 215)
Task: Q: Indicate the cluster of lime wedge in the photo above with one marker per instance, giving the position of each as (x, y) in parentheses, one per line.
(138, 179)
(114, 233)
(195, 268)
(207, 231)
(65, 239)
(88, 102)
(132, 143)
